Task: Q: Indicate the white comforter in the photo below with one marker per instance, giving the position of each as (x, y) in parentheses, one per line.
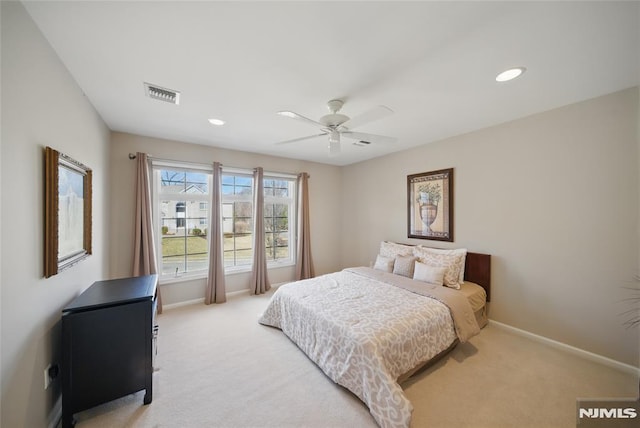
(364, 333)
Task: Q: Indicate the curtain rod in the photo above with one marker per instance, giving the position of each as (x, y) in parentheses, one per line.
(132, 156)
(151, 157)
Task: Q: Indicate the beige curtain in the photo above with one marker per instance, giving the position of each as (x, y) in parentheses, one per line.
(215, 281)
(304, 262)
(144, 249)
(259, 279)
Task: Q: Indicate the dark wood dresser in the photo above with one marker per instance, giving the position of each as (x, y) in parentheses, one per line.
(108, 341)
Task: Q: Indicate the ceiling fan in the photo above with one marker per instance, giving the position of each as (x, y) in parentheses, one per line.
(337, 125)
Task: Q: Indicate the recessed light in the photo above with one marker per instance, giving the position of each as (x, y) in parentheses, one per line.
(510, 74)
(216, 122)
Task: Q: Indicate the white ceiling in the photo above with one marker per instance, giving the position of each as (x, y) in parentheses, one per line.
(433, 63)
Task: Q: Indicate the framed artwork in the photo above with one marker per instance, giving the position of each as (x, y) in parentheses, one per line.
(67, 212)
(430, 205)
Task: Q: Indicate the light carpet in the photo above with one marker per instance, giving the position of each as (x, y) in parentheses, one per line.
(217, 367)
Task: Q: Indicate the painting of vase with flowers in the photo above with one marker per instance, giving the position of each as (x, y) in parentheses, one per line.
(430, 205)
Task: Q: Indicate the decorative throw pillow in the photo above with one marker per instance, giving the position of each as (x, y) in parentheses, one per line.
(384, 263)
(451, 263)
(403, 265)
(391, 249)
(457, 251)
(430, 274)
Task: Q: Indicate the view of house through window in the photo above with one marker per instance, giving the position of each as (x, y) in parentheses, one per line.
(182, 217)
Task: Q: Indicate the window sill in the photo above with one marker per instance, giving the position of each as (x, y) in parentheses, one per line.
(281, 265)
(168, 279)
(245, 269)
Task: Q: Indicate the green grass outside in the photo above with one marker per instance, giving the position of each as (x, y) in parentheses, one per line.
(174, 246)
(197, 248)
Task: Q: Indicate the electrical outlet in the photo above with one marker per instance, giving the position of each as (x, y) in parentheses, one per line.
(47, 378)
(50, 373)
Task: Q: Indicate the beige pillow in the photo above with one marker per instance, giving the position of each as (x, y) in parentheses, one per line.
(451, 262)
(384, 263)
(430, 274)
(391, 249)
(419, 250)
(403, 265)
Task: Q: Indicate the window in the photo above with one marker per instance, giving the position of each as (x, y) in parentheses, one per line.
(237, 219)
(278, 209)
(237, 213)
(182, 219)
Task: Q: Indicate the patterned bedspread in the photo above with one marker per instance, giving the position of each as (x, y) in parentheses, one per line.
(364, 332)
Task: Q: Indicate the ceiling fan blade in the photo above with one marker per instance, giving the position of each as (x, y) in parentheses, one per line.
(368, 116)
(300, 117)
(301, 138)
(372, 138)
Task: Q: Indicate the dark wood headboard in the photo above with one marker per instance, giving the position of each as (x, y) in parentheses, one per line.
(477, 268)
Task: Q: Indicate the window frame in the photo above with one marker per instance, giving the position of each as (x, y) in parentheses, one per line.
(290, 201)
(232, 199)
(292, 217)
(157, 197)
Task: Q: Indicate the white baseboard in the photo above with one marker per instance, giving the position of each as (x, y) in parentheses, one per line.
(201, 300)
(180, 304)
(237, 293)
(626, 368)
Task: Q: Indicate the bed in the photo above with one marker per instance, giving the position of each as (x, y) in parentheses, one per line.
(369, 328)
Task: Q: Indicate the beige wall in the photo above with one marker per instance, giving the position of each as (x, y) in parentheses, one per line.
(324, 204)
(553, 197)
(41, 105)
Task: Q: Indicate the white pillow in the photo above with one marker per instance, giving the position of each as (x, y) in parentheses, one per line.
(419, 250)
(391, 249)
(451, 262)
(384, 263)
(403, 265)
(430, 274)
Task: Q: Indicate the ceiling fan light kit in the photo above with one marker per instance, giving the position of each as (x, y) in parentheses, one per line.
(334, 136)
(337, 125)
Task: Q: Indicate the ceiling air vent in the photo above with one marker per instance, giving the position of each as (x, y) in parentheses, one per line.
(361, 143)
(162, 94)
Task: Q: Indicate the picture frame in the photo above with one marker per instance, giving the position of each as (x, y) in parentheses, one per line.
(430, 205)
(67, 212)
